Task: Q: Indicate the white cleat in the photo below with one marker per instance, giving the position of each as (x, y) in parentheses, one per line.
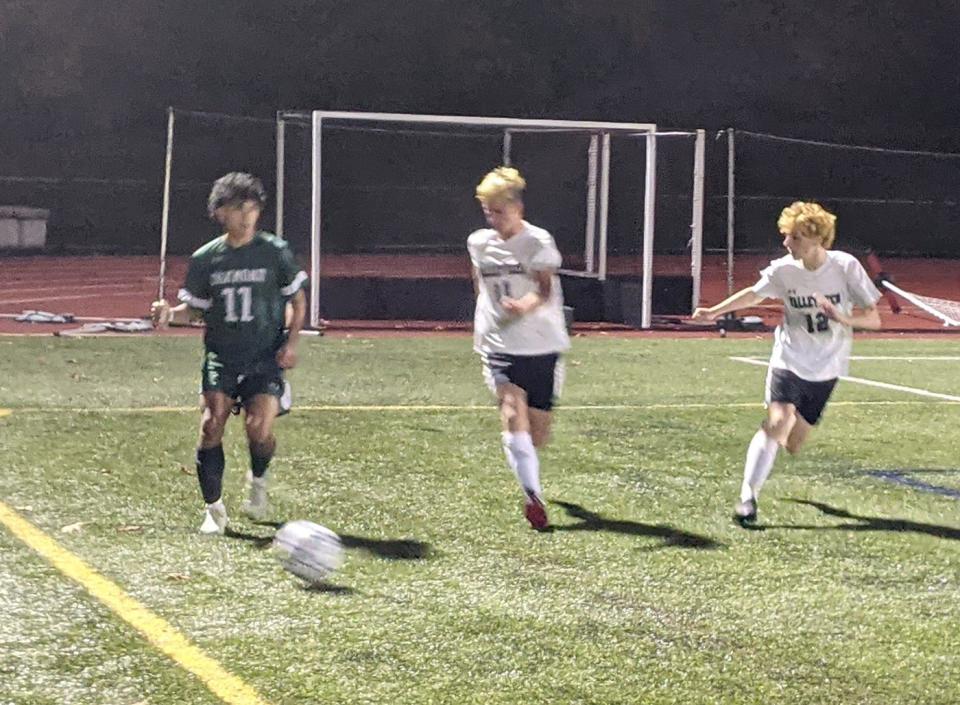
(215, 521)
(255, 506)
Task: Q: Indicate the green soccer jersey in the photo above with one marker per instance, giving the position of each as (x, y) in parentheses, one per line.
(243, 292)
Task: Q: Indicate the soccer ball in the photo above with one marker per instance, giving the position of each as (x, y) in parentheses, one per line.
(309, 551)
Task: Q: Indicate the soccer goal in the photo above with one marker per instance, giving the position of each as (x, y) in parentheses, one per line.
(400, 187)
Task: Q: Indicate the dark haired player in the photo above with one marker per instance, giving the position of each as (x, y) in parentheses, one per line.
(240, 285)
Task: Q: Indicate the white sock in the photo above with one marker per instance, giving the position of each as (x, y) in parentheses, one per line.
(217, 506)
(761, 453)
(522, 459)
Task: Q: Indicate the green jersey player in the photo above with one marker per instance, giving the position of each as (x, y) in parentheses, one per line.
(247, 288)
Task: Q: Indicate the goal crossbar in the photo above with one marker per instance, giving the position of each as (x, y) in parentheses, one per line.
(475, 120)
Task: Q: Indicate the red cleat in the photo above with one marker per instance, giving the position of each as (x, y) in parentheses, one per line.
(535, 512)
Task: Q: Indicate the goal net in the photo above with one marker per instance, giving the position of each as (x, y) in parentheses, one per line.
(898, 203)
(947, 311)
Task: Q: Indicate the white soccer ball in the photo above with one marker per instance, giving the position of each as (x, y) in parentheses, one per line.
(309, 551)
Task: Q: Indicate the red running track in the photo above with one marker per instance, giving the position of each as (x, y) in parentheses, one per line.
(123, 287)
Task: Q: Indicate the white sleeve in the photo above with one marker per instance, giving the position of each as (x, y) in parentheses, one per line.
(863, 293)
(769, 285)
(546, 256)
(473, 247)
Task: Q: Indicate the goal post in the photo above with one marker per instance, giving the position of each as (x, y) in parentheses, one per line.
(377, 185)
(502, 140)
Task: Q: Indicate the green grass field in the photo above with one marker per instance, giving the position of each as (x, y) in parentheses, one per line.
(644, 592)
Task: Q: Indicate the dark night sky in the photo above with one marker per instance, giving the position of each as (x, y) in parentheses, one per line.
(85, 83)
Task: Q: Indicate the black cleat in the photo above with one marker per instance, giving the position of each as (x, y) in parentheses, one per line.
(745, 512)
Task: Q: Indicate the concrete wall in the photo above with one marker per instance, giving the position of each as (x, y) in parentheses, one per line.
(23, 228)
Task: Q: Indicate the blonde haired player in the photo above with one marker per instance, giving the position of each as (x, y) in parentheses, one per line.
(519, 327)
(825, 294)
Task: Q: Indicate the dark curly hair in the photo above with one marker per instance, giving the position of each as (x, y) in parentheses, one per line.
(235, 188)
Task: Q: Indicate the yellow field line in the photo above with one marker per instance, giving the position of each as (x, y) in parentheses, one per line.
(5, 412)
(157, 631)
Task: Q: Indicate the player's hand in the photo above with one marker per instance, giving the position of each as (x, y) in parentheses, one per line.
(703, 314)
(160, 314)
(287, 357)
(521, 306)
(514, 307)
(828, 309)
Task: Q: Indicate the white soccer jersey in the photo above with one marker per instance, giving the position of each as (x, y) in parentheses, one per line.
(506, 269)
(807, 343)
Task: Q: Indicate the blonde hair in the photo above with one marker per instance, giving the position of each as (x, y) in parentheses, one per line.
(810, 220)
(502, 184)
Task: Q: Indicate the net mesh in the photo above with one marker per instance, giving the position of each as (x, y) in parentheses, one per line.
(945, 310)
(206, 146)
(895, 202)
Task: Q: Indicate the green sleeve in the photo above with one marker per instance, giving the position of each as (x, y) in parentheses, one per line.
(195, 291)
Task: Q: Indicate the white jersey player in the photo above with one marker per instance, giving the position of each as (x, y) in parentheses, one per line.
(826, 294)
(519, 327)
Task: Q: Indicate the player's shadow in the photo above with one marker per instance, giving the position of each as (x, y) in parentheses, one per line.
(329, 589)
(670, 536)
(391, 549)
(257, 541)
(867, 523)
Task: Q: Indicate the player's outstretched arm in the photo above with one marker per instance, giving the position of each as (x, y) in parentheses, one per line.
(745, 298)
(162, 314)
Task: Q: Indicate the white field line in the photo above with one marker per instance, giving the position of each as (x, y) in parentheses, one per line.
(60, 286)
(42, 299)
(908, 358)
(868, 383)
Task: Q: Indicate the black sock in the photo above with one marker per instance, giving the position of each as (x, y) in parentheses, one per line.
(210, 464)
(260, 456)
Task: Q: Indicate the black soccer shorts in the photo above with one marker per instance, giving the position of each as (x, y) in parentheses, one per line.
(808, 397)
(540, 376)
